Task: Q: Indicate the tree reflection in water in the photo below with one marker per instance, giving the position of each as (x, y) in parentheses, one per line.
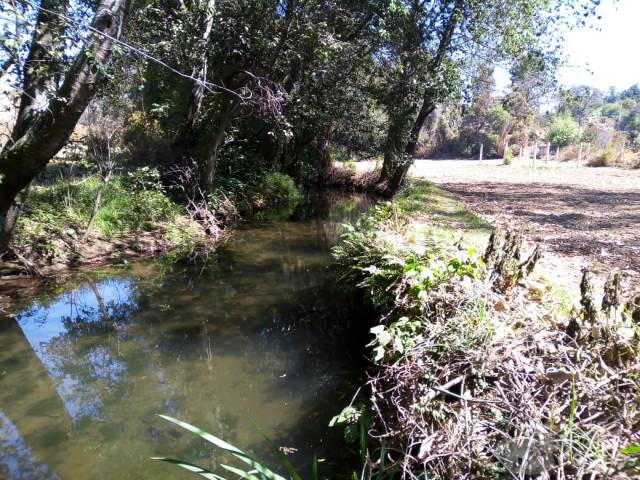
(262, 333)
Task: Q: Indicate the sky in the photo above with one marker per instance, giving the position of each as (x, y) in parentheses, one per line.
(603, 55)
(606, 55)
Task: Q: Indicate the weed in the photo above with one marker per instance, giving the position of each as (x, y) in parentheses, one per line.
(456, 366)
(351, 165)
(508, 156)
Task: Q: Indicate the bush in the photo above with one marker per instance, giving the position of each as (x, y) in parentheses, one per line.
(454, 356)
(145, 140)
(280, 188)
(564, 131)
(605, 159)
(508, 156)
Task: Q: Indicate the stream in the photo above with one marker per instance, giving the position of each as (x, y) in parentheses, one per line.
(257, 336)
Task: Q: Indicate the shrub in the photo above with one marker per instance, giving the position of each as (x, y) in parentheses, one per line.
(280, 188)
(605, 159)
(508, 156)
(456, 358)
(145, 140)
(563, 131)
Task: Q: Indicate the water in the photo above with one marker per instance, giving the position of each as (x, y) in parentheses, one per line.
(261, 335)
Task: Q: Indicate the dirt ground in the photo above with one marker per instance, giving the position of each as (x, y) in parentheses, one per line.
(581, 216)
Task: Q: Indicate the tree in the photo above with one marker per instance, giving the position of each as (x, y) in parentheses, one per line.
(500, 122)
(431, 45)
(276, 77)
(532, 81)
(55, 92)
(563, 131)
(476, 125)
(580, 102)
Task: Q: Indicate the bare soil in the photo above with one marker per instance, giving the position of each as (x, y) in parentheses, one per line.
(581, 215)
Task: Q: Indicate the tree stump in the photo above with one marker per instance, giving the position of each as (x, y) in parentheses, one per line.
(503, 258)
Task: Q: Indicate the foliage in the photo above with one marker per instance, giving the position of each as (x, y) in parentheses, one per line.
(564, 131)
(508, 157)
(258, 471)
(454, 358)
(280, 188)
(130, 202)
(56, 217)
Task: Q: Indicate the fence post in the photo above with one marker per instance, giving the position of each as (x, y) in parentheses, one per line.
(535, 154)
(548, 151)
(481, 150)
(579, 156)
(558, 153)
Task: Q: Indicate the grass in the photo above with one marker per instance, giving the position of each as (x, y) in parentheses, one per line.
(424, 204)
(57, 214)
(454, 353)
(257, 470)
(125, 206)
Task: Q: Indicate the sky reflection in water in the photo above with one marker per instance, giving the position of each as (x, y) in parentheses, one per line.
(262, 334)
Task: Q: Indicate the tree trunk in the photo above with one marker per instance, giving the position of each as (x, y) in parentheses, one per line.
(42, 66)
(11, 217)
(427, 108)
(39, 135)
(404, 132)
(199, 71)
(396, 160)
(209, 162)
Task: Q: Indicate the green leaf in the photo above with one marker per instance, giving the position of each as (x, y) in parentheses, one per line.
(240, 473)
(631, 449)
(348, 415)
(190, 467)
(351, 434)
(314, 467)
(380, 475)
(379, 354)
(283, 458)
(267, 473)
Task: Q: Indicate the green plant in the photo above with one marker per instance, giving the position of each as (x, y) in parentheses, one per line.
(564, 130)
(605, 159)
(280, 188)
(258, 470)
(397, 338)
(351, 165)
(356, 421)
(508, 156)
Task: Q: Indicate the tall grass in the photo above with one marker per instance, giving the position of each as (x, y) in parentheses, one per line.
(127, 205)
(257, 470)
(251, 468)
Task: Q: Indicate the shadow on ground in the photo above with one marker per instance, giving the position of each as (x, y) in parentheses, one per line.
(599, 224)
